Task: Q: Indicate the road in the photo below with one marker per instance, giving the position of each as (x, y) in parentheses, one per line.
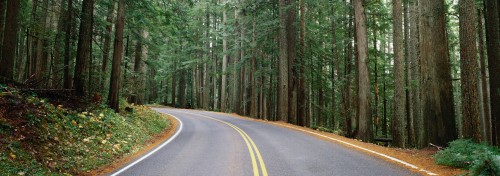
(216, 144)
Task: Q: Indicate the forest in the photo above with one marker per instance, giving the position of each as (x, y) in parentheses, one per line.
(412, 72)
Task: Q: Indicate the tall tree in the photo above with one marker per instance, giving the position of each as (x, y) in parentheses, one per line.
(114, 85)
(484, 81)
(107, 43)
(436, 84)
(10, 40)
(67, 45)
(399, 119)
(83, 49)
(223, 95)
(468, 71)
(493, 43)
(414, 73)
(283, 63)
(292, 71)
(364, 108)
(301, 97)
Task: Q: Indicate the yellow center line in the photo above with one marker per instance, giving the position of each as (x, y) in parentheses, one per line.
(250, 144)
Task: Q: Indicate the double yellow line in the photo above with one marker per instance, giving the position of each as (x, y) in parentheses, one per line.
(252, 148)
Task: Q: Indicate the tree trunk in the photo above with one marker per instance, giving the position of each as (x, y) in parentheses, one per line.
(436, 83)
(292, 71)
(493, 43)
(107, 43)
(364, 108)
(224, 64)
(253, 100)
(83, 50)
(174, 83)
(283, 63)
(236, 71)
(3, 8)
(114, 85)
(484, 81)
(140, 69)
(41, 54)
(468, 71)
(399, 119)
(10, 40)
(67, 46)
(301, 92)
(414, 76)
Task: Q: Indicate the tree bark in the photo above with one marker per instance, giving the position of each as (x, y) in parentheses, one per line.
(114, 85)
(301, 97)
(283, 64)
(223, 95)
(399, 119)
(107, 43)
(3, 8)
(10, 40)
(436, 83)
(484, 81)
(83, 49)
(292, 54)
(415, 75)
(493, 43)
(468, 71)
(67, 46)
(364, 108)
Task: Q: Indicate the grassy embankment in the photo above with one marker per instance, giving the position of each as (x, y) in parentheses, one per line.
(41, 137)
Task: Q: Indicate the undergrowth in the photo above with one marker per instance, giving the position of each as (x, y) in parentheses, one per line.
(480, 159)
(40, 138)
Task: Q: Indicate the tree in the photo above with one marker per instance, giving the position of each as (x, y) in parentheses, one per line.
(223, 95)
(9, 40)
(67, 45)
(468, 73)
(83, 48)
(435, 81)
(364, 108)
(283, 63)
(114, 85)
(301, 97)
(492, 44)
(484, 82)
(107, 43)
(399, 119)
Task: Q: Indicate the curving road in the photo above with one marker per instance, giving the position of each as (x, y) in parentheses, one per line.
(214, 144)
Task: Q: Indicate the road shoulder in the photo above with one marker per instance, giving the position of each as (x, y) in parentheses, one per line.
(150, 145)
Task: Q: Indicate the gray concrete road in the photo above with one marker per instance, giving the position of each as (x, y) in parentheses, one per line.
(219, 145)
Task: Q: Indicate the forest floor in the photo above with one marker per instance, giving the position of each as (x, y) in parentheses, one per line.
(52, 132)
(422, 158)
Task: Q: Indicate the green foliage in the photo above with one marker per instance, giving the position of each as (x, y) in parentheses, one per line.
(63, 141)
(480, 159)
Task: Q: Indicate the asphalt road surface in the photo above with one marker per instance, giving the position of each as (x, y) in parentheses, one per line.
(209, 144)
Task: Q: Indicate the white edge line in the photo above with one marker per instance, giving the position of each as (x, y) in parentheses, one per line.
(155, 150)
(365, 149)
